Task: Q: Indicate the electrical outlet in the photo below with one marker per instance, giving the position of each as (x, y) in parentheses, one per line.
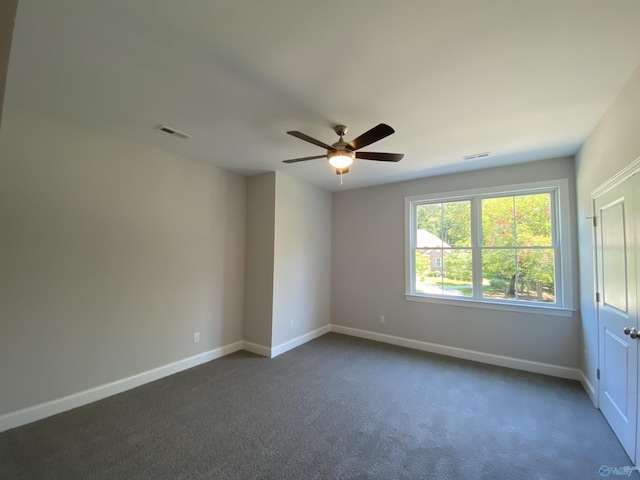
(291, 324)
(382, 320)
(196, 337)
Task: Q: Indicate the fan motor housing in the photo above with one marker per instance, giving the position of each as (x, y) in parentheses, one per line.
(343, 147)
(341, 130)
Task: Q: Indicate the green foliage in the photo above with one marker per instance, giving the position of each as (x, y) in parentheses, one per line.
(449, 221)
(458, 264)
(499, 283)
(423, 267)
(521, 220)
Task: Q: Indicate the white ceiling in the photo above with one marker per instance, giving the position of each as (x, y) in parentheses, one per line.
(523, 79)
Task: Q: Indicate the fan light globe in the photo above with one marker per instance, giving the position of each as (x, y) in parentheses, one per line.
(340, 160)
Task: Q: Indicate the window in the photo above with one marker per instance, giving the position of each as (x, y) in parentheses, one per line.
(507, 247)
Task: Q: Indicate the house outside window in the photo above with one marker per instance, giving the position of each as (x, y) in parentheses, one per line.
(430, 248)
(500, 247)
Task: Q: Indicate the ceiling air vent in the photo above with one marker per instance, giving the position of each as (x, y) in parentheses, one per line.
(476, 155)
(172, 131)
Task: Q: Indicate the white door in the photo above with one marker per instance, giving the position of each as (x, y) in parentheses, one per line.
(617, 311)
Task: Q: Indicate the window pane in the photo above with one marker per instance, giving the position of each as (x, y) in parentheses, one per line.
(441, 269)
(519, 274)
(444, 225)
(499, 274)
(498, 227)
(536, 275)
(533, 220)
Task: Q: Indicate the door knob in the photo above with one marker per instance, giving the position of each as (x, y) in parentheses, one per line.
(632, 332)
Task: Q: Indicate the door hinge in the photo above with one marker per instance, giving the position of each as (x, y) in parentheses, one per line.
(598, 374)
(595, 221)
(597, 297)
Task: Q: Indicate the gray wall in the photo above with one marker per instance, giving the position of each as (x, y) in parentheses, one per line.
(368, 268)
(302, 259)
(258, 297)
(112, 254)
(613, 144)
(288, 259)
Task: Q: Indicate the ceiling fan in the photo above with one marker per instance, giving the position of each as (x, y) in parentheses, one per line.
(341, 154)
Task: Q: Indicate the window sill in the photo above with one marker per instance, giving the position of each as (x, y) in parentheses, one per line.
(505, 307)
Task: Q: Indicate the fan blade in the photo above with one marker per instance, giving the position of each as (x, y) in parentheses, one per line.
(371, 136)
(380, 157)
(303, 159)
(309, 139)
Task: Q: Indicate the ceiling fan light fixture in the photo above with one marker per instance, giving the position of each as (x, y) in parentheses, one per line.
(342, 154)
(341, 159)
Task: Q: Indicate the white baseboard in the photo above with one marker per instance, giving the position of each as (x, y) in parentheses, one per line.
(59, 405)
(296, 342)
(271, 352)
(257, 349)
(482, 357)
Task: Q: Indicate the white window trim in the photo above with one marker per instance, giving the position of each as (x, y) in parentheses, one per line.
(564, 305)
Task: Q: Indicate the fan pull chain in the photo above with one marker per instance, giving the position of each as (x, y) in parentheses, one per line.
(340, 177)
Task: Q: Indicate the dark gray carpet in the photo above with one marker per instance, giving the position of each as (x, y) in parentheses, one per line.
(335, 408)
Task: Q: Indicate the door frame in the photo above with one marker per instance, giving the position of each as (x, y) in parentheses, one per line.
(626, 173)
